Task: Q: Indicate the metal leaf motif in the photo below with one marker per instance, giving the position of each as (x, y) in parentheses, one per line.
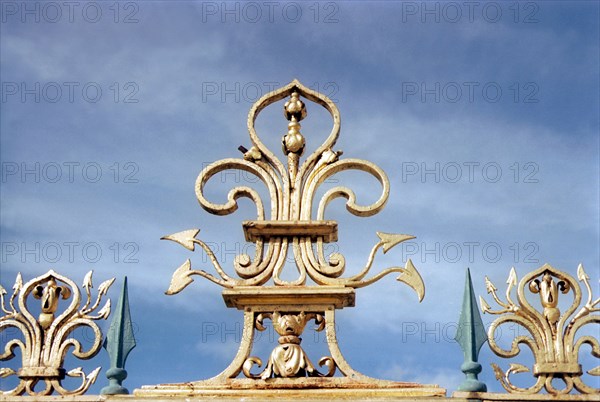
(485, 307)
(87, 280)
(594, 371)
(5, 372)
(18, 283)
(104, 311)
(411, 277)
(518, 368)
(391, 239)
(185, 238)
(181, 278)
(104, 286)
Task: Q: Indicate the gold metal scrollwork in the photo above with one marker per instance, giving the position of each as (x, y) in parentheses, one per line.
(292, 219)
(288, 221)
(288, 359)
(47, 339)
(551, 332)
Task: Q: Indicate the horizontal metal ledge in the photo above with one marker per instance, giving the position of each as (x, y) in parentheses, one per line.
(288, 298)
(255, 230)
(557, 368)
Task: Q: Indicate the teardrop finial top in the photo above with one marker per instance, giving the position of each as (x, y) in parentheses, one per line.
(294, 108)
(293, 142)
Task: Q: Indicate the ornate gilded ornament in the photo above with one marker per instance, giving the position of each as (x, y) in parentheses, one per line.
(289, 359)
(551, 332)
(290, 219)
(47, 338)
(290, 222)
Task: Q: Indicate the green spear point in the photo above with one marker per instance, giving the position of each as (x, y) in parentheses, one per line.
(471, 336)
(118, 343)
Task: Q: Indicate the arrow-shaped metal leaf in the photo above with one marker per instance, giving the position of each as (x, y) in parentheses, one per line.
(581, 274)
(411, 277)
(91, 377)
(181, 278)
(389, 240)
(87, 281)
(489, 286)
(498, 372)
(104, 286)
(512, 277)
(484, 306)
(76, 372)
(185, 238)
(518, 368)
(105, 311)
(594, 371)
(18, 283)
(5, 372)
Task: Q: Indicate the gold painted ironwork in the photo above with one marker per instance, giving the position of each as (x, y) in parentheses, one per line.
(289, 359)
(291, 220)
(551, 332)
(47, 338)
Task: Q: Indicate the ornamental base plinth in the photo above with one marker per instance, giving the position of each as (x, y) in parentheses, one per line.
(289, 372)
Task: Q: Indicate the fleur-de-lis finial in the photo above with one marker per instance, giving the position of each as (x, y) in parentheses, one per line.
(551, 335)
(47, 339)
(292, 219)
(292, 222)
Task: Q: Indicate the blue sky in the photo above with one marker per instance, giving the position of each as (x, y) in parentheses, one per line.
(485, 120)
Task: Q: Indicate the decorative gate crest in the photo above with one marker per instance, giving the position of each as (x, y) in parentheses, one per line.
(47, 339)
(551, 333)
(285, 222)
